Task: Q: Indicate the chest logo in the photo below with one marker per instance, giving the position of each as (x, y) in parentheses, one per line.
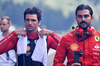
(28, 42)
(96, 46)
(74, 46)
(35, 41)
(96, 38)
(28, 48)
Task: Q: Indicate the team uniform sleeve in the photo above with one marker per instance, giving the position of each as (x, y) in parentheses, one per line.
(60, 54)
(53, 41)
(8, 42)
(55, 37)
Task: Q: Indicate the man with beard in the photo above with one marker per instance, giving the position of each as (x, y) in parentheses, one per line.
(82, 45)
(32, 50)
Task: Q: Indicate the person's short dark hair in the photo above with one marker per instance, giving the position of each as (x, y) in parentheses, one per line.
(82, 7)
(34, 10)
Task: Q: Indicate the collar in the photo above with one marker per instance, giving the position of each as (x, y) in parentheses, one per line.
(32, 35)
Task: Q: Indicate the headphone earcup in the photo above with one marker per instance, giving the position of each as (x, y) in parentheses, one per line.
(79, 31)
(90, 30)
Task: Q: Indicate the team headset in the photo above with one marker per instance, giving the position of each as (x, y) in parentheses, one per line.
(79, 31)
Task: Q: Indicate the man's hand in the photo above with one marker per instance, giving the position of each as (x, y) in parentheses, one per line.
(20, 32)
(76, 64)
(45, 32)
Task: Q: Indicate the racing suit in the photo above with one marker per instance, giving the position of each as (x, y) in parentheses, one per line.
(10, 42)
(71, 43)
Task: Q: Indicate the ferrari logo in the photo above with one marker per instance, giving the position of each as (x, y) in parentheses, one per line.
(35, 41)
(96, 38)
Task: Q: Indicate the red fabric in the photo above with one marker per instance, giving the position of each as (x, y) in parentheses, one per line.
(7, 43)
(10, 42)
(68, 45)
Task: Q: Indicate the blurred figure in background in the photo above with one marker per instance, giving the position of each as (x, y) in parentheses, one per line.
(8, 58)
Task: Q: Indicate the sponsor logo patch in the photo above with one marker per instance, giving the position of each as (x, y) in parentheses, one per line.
(35, 41)
(96, 38)
(28, 42)
(96, 47)
(74, 46)
(28, 48)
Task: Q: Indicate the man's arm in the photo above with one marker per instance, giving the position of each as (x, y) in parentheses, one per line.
(49, 33)
(45, 32)
(7, 43)
(52, 40)
(60, 54)
(10, 41)
(55, 37)
(20, 32)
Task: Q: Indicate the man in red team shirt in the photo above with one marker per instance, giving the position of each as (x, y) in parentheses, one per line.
(82, 45)
(32, 18)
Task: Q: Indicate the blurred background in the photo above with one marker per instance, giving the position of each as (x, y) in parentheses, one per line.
(58, 15)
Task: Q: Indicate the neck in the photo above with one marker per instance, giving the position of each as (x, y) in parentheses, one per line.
(32, 35)
(5, 33)
(84, 29)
